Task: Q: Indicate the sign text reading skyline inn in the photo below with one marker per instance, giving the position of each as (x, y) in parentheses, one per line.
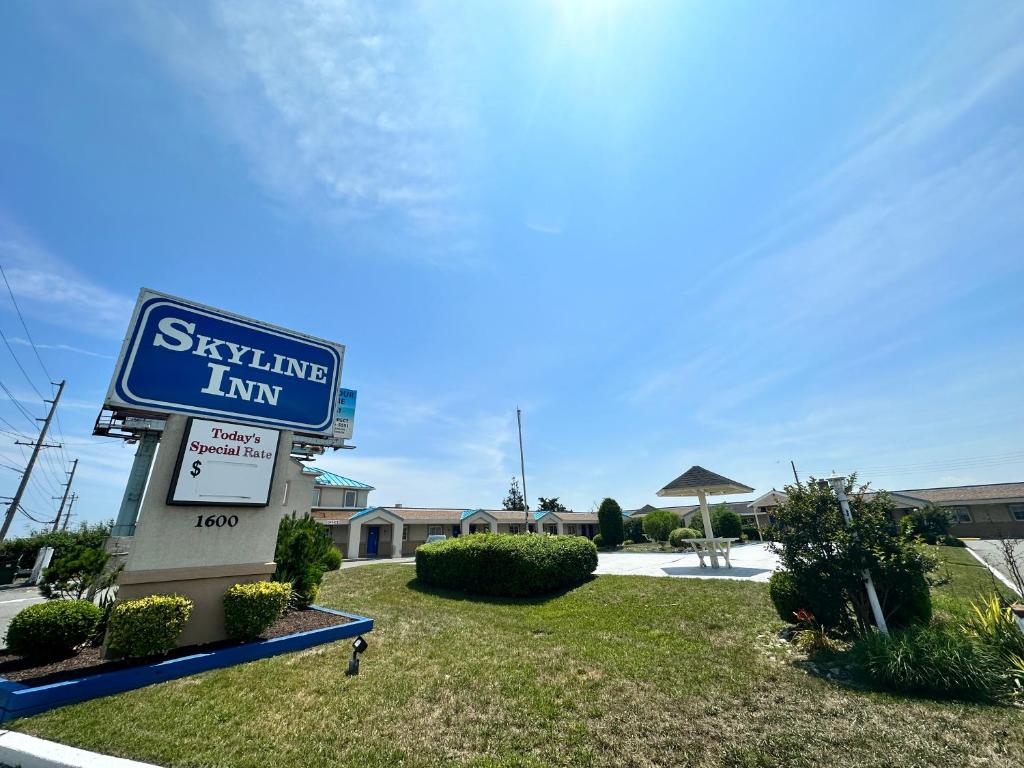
(181, 357)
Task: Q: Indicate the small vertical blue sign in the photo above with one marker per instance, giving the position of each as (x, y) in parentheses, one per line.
(346, 414)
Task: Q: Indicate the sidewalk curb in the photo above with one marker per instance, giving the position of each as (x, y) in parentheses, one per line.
(23, 751)
(995, 572)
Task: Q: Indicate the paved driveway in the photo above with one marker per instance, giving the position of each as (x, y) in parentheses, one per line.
(990, 551)
(12, 600)
(750, 562)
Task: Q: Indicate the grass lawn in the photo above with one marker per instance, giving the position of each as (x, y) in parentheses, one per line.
(625, 670)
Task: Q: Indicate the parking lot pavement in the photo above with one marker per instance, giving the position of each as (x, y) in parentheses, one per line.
(990, 551)
(13, 600)
(750, 562)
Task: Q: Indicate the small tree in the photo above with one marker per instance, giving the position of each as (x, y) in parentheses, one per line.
(930, 523)
(633, 529)
(514, 501)
(826, 556)
(660, 523)
(609, 518)
(724, 521)
(302, 548)
(551, 505)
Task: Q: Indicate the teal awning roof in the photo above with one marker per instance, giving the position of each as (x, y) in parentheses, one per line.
(323, 477)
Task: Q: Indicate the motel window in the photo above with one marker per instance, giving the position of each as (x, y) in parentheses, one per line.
(405, 533)
(513, 528)
(434, 530)
(350, 498)
(571, 529)
(961, 514)
(316, 497)
(1017, 511)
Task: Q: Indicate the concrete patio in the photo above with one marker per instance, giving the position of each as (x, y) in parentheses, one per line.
(750, 562)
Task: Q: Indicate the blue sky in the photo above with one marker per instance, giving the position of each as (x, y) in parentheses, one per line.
(729, 234)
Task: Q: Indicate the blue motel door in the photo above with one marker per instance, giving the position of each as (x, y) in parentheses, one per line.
(371, 540)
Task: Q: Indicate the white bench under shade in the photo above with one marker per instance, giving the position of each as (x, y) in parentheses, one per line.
(717, 545)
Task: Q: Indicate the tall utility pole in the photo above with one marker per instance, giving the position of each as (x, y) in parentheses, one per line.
(67, 488)
(795, 475)
(64, 525)
(522, 469)
(39, 443)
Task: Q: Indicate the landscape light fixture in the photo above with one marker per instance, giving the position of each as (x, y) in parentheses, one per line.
(358, 646)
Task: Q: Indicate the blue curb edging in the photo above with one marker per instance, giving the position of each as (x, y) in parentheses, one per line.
(18, 700)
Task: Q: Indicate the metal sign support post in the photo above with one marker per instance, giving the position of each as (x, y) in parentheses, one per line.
(838, 485)
(128, 514)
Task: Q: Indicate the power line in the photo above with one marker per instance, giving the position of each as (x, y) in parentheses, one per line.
(24, 325)
(18, 405)
(21, 368)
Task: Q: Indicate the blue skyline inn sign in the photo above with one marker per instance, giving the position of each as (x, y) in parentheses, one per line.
(183, 357)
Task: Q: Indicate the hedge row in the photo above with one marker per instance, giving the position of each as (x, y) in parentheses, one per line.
(504, 564)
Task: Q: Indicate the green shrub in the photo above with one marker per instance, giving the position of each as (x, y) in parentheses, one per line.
(598, 541)
(930, 523)
(332, 559)
(501, 564)
(149, 626)
(785, 596)
(660, 523)
(826, 556)
(53, 629)
(627, 542)
(953, 541)
(87, 535)
(934, 660)
(302, 546)
(73, 573)
(724, 521)
(750, 533)
(679, 536)
(633, 529)
(609, 517)
(251, 609)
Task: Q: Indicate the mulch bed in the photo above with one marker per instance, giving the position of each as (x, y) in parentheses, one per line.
(89, 661)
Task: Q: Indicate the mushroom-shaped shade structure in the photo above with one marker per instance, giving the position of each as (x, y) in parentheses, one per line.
(700, 482)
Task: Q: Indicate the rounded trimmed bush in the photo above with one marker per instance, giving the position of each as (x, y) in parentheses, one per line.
(679, 536)
(149, 626)
(52, 629)
(332, 559)
(251, 609)
(598, 540)
(750, 533)
(503, 564)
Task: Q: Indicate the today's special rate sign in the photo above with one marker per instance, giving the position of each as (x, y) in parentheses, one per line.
(223, 463)
(183, 357)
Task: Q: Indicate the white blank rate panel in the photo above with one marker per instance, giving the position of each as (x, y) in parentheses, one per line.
(224, 463)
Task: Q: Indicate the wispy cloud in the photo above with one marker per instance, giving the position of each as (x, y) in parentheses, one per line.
(52, 290)
(59, 348)
(346, 110)
(908, 219)
(461, 462)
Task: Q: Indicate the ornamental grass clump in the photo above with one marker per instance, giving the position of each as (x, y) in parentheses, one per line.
(251, 609)
(149, 626)
(52, 630)
(935, 660)
(508, 565)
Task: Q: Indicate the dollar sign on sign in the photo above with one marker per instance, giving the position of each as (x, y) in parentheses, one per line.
(196, 468)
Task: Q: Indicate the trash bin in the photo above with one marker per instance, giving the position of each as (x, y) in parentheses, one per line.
(7, 571)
